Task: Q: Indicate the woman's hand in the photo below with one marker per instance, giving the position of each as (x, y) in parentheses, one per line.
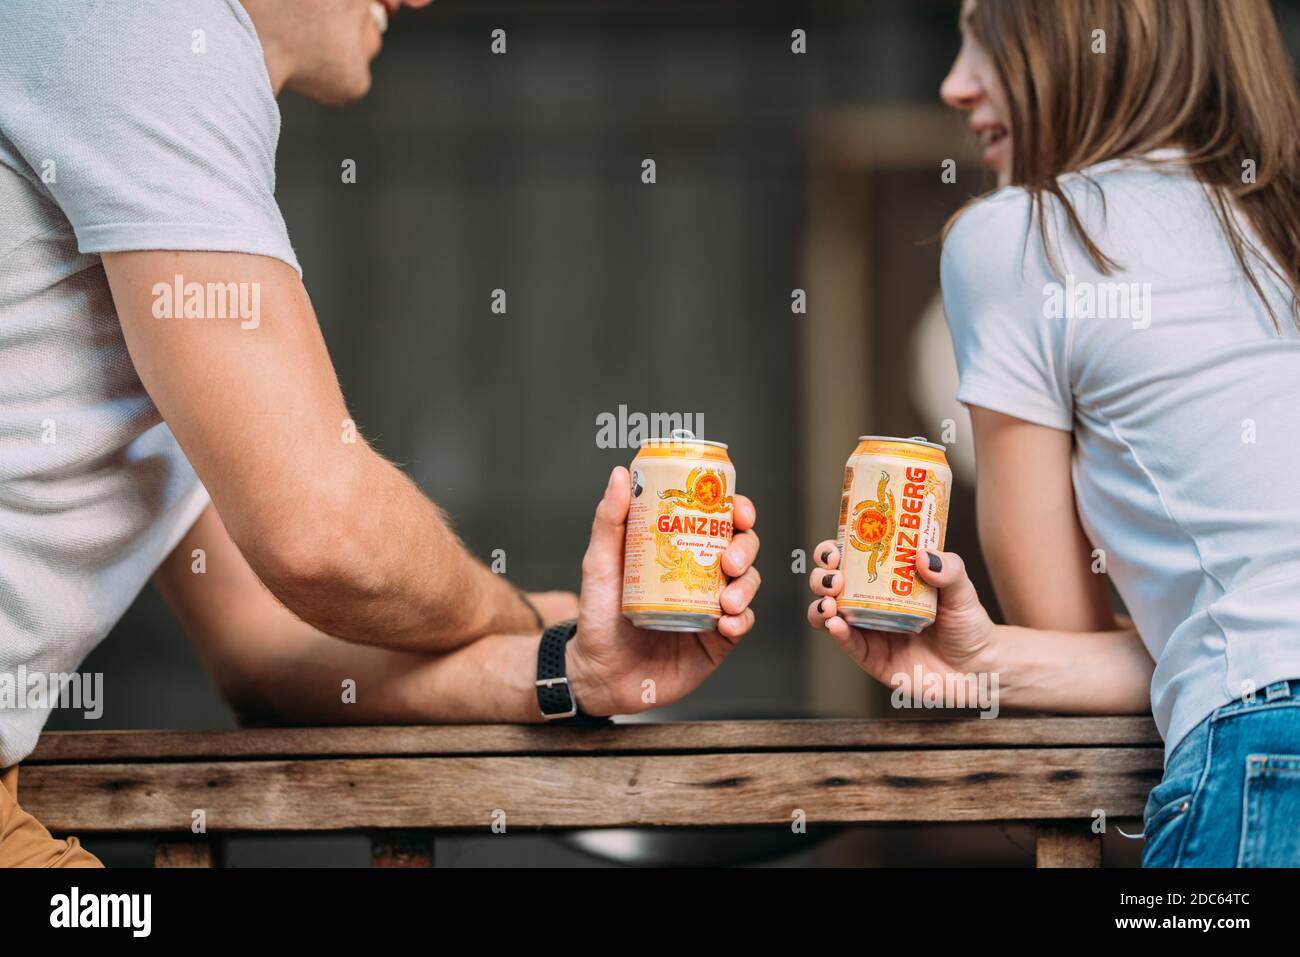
(961, 640)
(616, 668)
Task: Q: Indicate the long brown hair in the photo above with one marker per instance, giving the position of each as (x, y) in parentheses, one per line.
(1210, 76)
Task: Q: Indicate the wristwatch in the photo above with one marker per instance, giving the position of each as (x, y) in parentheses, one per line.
(554, 694)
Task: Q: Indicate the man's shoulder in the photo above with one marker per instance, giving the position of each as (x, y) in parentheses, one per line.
(102, 45)
(87, 81)
(33, 37)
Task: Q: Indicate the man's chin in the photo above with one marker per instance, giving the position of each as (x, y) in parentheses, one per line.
(338, 91)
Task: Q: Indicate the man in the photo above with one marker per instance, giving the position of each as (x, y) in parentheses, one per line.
(140, 424)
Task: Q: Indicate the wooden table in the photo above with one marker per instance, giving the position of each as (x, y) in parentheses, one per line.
(406, 783)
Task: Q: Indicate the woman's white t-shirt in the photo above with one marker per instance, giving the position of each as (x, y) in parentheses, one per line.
(1184, 400)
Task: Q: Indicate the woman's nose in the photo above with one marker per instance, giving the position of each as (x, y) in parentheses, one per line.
(960, 89)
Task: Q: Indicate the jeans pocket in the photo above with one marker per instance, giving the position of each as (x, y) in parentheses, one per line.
(1162, 832)
(1271, 807)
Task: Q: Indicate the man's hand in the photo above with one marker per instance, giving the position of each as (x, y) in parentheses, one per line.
(272, 666)
(609, 660)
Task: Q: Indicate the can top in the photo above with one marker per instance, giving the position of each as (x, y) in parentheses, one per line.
(914, 440)
(681, 437)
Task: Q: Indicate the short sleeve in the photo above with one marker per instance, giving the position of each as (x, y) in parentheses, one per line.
(152, 125)
(1012, 355)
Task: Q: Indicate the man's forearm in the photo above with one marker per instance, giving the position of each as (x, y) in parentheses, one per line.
(307, 677)
(269, 663)
(338, 534)
(390, 571)
(1106, 672)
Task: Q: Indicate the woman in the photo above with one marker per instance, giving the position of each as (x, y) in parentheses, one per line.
(1125, 314)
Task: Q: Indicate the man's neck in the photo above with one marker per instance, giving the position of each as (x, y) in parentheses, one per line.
(277, 58)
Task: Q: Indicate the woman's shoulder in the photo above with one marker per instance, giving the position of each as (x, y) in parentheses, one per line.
(1110, 200)
(988, 238)
(988, 220)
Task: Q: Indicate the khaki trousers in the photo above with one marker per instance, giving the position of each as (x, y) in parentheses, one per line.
(24, 841)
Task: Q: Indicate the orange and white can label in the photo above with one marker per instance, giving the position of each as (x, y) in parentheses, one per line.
(678, 526)
(894, 504)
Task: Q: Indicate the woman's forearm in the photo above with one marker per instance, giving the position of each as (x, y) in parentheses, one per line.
(1103, 672)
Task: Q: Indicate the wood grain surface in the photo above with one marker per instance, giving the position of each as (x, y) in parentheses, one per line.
(804, 735)
(566, 791)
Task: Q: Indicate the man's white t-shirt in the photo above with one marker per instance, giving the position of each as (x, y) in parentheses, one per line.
(123, 126)
(1184, 400)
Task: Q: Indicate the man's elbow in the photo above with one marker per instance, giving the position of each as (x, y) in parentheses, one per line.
(311, 559)
(245, 696)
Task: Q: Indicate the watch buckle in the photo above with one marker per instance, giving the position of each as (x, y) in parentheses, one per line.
(549, 683)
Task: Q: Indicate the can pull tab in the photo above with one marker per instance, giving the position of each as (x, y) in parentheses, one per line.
(918, 438)
(682, 435)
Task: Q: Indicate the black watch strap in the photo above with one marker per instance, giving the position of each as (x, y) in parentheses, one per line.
(554, 695)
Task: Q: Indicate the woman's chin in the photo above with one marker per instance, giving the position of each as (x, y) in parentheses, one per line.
(997, 158)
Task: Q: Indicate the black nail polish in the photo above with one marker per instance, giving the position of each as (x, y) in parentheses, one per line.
(828, 581)
(935, 564)
(826, 556)
(820, 602)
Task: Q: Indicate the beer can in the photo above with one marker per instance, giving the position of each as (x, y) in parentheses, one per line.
(894, 503)
(678, 527)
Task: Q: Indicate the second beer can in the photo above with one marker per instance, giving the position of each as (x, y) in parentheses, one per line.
(894, 503)
(678, 526)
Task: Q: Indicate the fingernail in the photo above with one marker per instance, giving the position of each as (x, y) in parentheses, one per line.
(826, 555)
(828, 581)
(734, 555)
(936, 565)
(820, 602)
(610, 484)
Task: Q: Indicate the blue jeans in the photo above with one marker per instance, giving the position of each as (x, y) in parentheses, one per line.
(1230, 795)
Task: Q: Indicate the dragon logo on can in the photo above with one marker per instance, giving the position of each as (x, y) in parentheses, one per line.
(693, 528)
(871, 526)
